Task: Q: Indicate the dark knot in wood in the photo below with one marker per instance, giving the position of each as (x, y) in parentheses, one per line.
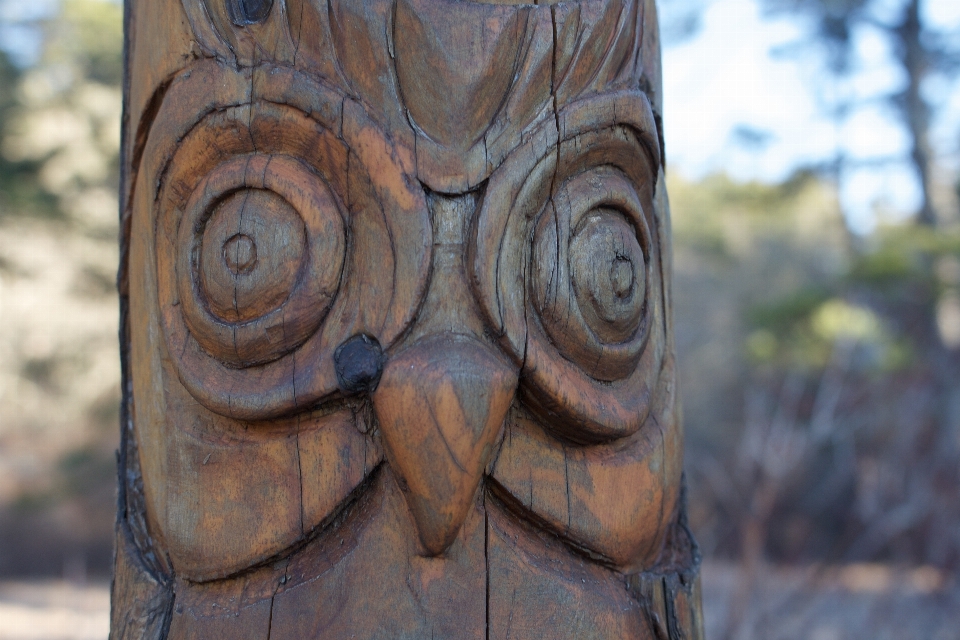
(245, 12)
(359, 363)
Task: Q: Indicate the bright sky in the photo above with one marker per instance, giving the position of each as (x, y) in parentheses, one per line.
(731, 106)
(724, 81)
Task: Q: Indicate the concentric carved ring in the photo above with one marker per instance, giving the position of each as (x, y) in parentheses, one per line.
(261, 247)
(569, 218)
(608, 271)
(589, 272)
(286, 222)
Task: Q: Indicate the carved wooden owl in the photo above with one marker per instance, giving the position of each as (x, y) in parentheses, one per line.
(399, 347)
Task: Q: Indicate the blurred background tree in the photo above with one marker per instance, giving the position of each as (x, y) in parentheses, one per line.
(60, 76)
(920, 53)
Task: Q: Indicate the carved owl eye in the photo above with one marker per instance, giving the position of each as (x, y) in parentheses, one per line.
(569, 218)
(285, 224)
(608, 270)
(261, 248)
(589, 272)
(250, 252)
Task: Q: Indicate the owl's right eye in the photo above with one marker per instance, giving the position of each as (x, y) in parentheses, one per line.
(589, 272)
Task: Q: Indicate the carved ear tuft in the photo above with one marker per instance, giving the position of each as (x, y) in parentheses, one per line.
(245, 12)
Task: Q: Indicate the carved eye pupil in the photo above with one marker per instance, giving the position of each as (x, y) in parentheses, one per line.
(260, 240)
(621, 276)
(608, 274)
(240, 254)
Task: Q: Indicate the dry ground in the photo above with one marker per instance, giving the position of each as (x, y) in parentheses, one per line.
(857, 602)
(53, 610)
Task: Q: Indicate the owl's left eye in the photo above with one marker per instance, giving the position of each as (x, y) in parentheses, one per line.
(261, 249)
(284, 224)
(249, 251)
(608, 271)
(589, 272)
(574, 223)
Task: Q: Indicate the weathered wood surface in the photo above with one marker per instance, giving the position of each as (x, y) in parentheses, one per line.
(397, 341)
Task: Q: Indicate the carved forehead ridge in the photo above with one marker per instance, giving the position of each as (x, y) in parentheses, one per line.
(514, 66)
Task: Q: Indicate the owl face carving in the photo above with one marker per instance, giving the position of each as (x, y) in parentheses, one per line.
(415, 243)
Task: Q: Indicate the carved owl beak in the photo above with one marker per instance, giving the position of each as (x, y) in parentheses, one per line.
(441, 404)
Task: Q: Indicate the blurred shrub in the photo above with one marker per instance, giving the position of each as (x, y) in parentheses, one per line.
(820, 376)
(59, 360)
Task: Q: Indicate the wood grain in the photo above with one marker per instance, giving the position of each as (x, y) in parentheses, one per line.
(396, 288)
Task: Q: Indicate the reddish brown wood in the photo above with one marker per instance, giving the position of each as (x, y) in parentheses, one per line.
(397, 340)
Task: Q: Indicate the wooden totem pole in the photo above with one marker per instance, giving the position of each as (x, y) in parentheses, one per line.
(398, 352)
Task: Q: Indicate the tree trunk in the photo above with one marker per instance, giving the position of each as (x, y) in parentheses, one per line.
(397, 341)
(916, 112)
